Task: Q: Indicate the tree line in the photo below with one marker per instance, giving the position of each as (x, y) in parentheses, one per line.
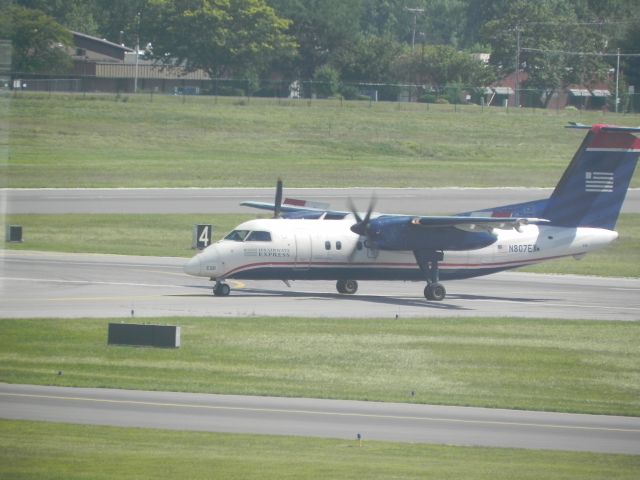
(338, 42)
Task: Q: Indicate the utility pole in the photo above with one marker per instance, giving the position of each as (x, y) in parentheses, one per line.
(415, 12)
(135, 79)
(517, 66)
(617, 78)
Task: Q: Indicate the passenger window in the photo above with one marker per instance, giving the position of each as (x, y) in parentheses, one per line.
(327, 245)
(237, 235)
(258, 236)
(338, 245)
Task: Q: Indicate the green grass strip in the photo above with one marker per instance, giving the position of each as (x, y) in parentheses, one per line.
(59, 451)
(555, 365)
(164, 141)
(171, 235)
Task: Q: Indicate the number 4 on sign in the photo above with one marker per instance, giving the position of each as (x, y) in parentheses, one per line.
(202, 236)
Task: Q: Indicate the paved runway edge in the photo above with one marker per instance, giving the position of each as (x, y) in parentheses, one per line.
(340, 419)
(419, 201)
(58, 285)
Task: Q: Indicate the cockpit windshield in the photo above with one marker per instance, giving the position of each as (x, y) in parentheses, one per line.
(258, 236)
(249, 236)
(237, 235)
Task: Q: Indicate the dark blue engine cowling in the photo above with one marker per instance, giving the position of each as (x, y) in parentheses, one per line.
(398, 233)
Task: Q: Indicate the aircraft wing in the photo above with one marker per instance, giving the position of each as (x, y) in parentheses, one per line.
(472, 223)
(461, 222)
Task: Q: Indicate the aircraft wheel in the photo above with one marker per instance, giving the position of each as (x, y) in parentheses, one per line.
(221, 290)
(348, 287)
(435, 291)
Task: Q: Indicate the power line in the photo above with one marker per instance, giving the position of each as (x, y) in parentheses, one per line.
(597, 23)
(585, 54)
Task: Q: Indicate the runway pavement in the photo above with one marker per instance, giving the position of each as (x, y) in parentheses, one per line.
(412, 201)
(323, 418)
(51, 285)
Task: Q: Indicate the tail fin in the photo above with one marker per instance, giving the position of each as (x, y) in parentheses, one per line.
(592, 188)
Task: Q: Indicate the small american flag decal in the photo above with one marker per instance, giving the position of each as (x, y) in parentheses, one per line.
(598, 182)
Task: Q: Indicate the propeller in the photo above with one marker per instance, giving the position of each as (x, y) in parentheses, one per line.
(361, 227)
(277, 206)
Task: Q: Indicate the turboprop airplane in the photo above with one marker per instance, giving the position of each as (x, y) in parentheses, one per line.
(311, 242)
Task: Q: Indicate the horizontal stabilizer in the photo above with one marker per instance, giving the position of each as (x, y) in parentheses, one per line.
(604, 128)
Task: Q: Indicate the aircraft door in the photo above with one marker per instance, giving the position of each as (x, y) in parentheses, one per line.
(303, 250)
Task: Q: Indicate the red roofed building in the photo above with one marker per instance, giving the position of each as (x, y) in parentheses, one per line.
(592, 96)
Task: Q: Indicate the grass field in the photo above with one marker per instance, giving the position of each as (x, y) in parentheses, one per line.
(556, 365)
(46, 451)
(170, 235)
(142, 141)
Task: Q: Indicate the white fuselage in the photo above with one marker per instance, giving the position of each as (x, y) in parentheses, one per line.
(288, 249)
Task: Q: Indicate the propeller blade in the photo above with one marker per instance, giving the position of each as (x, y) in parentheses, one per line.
(372, 204)
(277, 206)
(352, 207)
(361, 226)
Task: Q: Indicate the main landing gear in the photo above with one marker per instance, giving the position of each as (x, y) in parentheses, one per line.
(221, 289)
(428, 263)
(347, 286)
(435, 291)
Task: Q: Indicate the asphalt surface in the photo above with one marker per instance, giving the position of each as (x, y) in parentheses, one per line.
(412, 201)
(323, 418)
(63, 285)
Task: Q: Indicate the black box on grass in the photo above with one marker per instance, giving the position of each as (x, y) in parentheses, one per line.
(141, 335)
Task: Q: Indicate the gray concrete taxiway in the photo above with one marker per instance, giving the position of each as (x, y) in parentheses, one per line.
(323, 418)
(35, 284)
(411, 201)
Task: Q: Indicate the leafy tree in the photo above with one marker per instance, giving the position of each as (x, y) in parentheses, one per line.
(122, 21)
(381, 17)
(439, 22)
(370, 58)
(443, 22)
(38, 42)
(438, 65)
(221, 37)
(478, 13)
(76, 15)
(326, 81)
(322, 28)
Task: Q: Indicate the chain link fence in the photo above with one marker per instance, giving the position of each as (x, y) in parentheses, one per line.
(454, 94)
